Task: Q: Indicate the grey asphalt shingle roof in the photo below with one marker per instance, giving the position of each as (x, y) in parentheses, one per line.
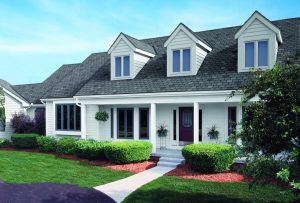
(218, 71)
(140, 45)
(7, 85)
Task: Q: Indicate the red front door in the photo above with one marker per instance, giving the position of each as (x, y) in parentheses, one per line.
(186, 124)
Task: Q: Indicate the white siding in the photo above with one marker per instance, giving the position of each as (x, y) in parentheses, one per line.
(257, 28)
(49, 118)
(139, 63)
(12, 106)
(121, 48)
(164, 117)
(200, 56)
(181, 39)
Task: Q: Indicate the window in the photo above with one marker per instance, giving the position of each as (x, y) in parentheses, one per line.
(231, 120)
(187, 119)
(200, 125)
(181, 60)
(249, 54)
(263, 53)
(112, 123)
(68, 117)
(256, 54)
(125, 123)
(144, 123)
(122, 66)
(174, 124)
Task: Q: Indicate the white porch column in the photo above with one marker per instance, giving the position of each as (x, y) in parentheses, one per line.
(153, 126)
(136, 123)
(83, 121)
(196, 122)
(115, 124)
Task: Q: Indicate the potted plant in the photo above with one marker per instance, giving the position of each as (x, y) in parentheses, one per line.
(162, 131)
(213, 134)
(101, 116)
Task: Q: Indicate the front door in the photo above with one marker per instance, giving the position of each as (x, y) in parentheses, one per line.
(186, 124)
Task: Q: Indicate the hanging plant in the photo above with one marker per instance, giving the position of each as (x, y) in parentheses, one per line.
(162, 131)
(213, 133)
(101, 116)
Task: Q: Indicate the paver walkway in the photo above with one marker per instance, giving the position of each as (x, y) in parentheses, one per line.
(120, 189)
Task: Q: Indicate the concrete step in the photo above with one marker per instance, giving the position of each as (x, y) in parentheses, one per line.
(179, 156)
(167, 164)
(170, 159)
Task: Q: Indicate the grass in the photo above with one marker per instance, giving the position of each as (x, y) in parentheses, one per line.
(26, 167)
(172, 189)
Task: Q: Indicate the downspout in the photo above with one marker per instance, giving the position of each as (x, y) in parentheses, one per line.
(77, 102)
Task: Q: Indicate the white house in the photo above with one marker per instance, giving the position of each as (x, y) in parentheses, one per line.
(181, 81)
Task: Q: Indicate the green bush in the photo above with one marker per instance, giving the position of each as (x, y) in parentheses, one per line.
(209, 158)
(47, 144)
(24, 140)
(66, 145)
(90, 149)
(264, 169)
(3, 142)
(128, 151)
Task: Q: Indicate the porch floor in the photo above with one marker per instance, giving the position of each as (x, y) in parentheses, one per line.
(173, 153)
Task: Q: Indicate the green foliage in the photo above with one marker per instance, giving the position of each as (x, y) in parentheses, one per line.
(24, 140)
(2, 108)
(101, 116)
(209, 158)
(128, 151)
(162, 131)
(90, 149)
(213, 133)
(263, 169)
(47, 144)
(66, 145)
(284, 176)
(3, 142)
(272, 124)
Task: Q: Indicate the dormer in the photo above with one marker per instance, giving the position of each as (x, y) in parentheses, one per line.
(128, 56)
(185, 52)
(258, 41)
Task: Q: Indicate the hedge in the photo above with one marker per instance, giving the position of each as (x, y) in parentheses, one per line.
(90, 149)
(66, 145)
(3, 142)
(209, 158)
(47, 144)
(24, 140)
(123, 152)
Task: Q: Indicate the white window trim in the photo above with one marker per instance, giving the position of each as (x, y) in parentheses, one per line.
(122, 67)
(256, 54)
(181, 72)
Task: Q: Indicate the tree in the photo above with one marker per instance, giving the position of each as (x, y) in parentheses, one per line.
(2, 109)
(272, 124)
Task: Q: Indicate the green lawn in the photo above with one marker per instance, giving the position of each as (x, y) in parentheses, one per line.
(26, 167)
(172, 189)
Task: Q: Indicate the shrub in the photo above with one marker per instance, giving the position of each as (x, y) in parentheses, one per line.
(90, 149)
(66, 145)
(3, 142)
(24, 140)
(39, 122)
(128, 151)
(47, 144)
(264, 169)
(22, 123)
(209, 158)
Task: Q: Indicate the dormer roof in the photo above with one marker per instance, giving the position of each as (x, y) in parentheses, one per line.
(135, 44)
(198, 40)
(258, 16)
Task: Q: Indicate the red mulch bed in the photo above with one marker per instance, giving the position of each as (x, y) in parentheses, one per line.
(132, 167)
(184, 171)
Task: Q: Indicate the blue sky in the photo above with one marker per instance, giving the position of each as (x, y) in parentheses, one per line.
(38, 36)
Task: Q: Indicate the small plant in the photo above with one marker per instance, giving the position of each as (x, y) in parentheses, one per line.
(22, 123)
(284, 176)
(66, 145)
(162, 131)
(213, 134)
(24, 140)
(90, 149)
(3, 142)
(101, 116)
(47, 144)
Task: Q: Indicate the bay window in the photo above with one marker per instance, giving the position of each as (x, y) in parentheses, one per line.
(68, 117)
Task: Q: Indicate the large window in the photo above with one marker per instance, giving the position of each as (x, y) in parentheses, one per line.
(112, 122)
(144, 123)
(174, 124)
(231, 120)
(256, 54)
(68, 117)
(125, 123)
(181, 60)
(122, 66)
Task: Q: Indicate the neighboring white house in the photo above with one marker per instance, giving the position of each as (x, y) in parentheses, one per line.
(182, 81)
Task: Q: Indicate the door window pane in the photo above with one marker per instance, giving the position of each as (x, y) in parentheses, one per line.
(144, 123)
(263, 53)
(118, 66)
(186, 60)
(249, 54)
(126, 65)
(231, 120)
(176, 61)
(187, 119)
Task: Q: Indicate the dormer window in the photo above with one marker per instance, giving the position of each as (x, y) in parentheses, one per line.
(256, 54)
(181, 60)
(122, 66)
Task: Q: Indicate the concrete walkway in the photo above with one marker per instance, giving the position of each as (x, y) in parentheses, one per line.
(120, 189)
